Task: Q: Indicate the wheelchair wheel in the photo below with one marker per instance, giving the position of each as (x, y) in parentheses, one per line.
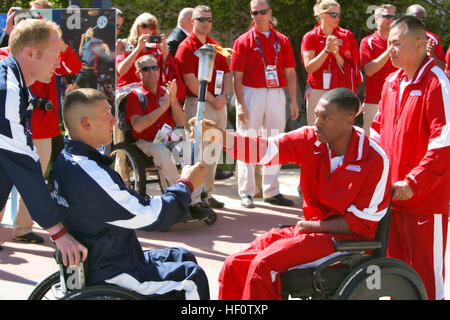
(47, 289)
(382, 278)
(130, 166)
(103, 292)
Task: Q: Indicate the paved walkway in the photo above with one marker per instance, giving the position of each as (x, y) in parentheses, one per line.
(22, 266)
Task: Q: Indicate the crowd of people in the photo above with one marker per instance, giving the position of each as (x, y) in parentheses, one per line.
(349, 175)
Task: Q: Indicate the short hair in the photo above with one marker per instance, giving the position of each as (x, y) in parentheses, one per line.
(266, 1)
(25, 14)
(147, 57)
(412, 24)
(183, 13)
(45, 4)
(327, 4)
(201, 8)
(344, 98)
(76, 99)
(32, 32)
(384, 6)
(414, 8)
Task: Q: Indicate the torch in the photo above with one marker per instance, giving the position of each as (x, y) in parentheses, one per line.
(205, 69)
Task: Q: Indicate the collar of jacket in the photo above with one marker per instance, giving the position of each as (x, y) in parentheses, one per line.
(424, 67)
(357, 148)
(82, 149)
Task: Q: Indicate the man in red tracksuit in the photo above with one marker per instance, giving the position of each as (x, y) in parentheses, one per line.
(345, 187)
(413, 127)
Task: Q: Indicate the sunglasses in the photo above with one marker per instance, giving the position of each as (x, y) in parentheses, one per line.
(148, 68)
(203, 19)
(150, 26)
(261, 12)
(388, 16)
(334, 14)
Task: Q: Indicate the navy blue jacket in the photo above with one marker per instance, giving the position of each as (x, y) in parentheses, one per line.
(103, 214)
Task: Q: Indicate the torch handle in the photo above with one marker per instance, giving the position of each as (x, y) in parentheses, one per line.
(195, 155)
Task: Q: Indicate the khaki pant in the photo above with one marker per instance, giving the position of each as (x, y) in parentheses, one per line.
(162, 158)
(311, 102)
(220, 118)
(267, 111)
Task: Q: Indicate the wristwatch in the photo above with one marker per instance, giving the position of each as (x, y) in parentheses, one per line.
(227, 96)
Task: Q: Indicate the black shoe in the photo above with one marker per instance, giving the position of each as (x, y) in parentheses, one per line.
(200, 210)
(222, 175)
(279, 200)
(214, 203)
(247, 201)
(30, 237)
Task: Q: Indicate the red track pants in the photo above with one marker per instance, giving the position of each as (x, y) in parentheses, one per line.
(421, 241)
(253, 274)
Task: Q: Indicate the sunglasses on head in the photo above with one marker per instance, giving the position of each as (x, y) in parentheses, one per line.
(334, 14)
(148, 25)
(261, 12)
(203, 19)
(388, 16)
(148, 68)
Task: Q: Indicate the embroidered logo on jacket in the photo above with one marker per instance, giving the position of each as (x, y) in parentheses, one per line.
(353, 167)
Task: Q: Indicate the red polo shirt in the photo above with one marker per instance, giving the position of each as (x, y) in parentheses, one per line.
(187, 59)
(371, 48)
(315, 40)
(247, 57)
(133, 107)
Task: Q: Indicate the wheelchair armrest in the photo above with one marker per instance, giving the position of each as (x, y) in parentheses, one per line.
(356, 246)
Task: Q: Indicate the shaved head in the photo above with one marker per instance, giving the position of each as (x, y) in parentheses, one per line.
(78, 105)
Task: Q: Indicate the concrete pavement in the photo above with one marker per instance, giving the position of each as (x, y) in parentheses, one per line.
(22, 266)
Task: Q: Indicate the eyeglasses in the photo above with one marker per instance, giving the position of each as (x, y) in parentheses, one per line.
(203, 19)
(261, 12)
(148, 68)
(388, 16)
(150, 26)
(334, 14)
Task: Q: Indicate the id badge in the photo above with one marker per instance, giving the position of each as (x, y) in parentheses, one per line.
(219, 82)
(272, 77)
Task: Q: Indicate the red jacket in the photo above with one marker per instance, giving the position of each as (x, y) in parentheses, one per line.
(357, 190)
(45, 124)
(415, 134)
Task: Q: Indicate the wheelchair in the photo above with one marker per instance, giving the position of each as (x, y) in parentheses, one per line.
(353, 274)
(69, 284)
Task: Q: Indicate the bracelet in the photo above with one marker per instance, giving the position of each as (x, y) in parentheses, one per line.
(326, 51)
(187, 183)
(59, 234)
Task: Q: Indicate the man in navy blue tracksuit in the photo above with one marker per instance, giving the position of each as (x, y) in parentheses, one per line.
(35, 46)
(103, 214)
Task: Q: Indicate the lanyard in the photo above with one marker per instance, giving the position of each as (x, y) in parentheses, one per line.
(260, 50)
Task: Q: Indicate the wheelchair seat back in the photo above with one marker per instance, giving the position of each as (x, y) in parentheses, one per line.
(123, 125)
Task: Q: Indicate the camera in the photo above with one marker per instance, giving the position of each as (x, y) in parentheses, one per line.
(43, 104)
(155, 39)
